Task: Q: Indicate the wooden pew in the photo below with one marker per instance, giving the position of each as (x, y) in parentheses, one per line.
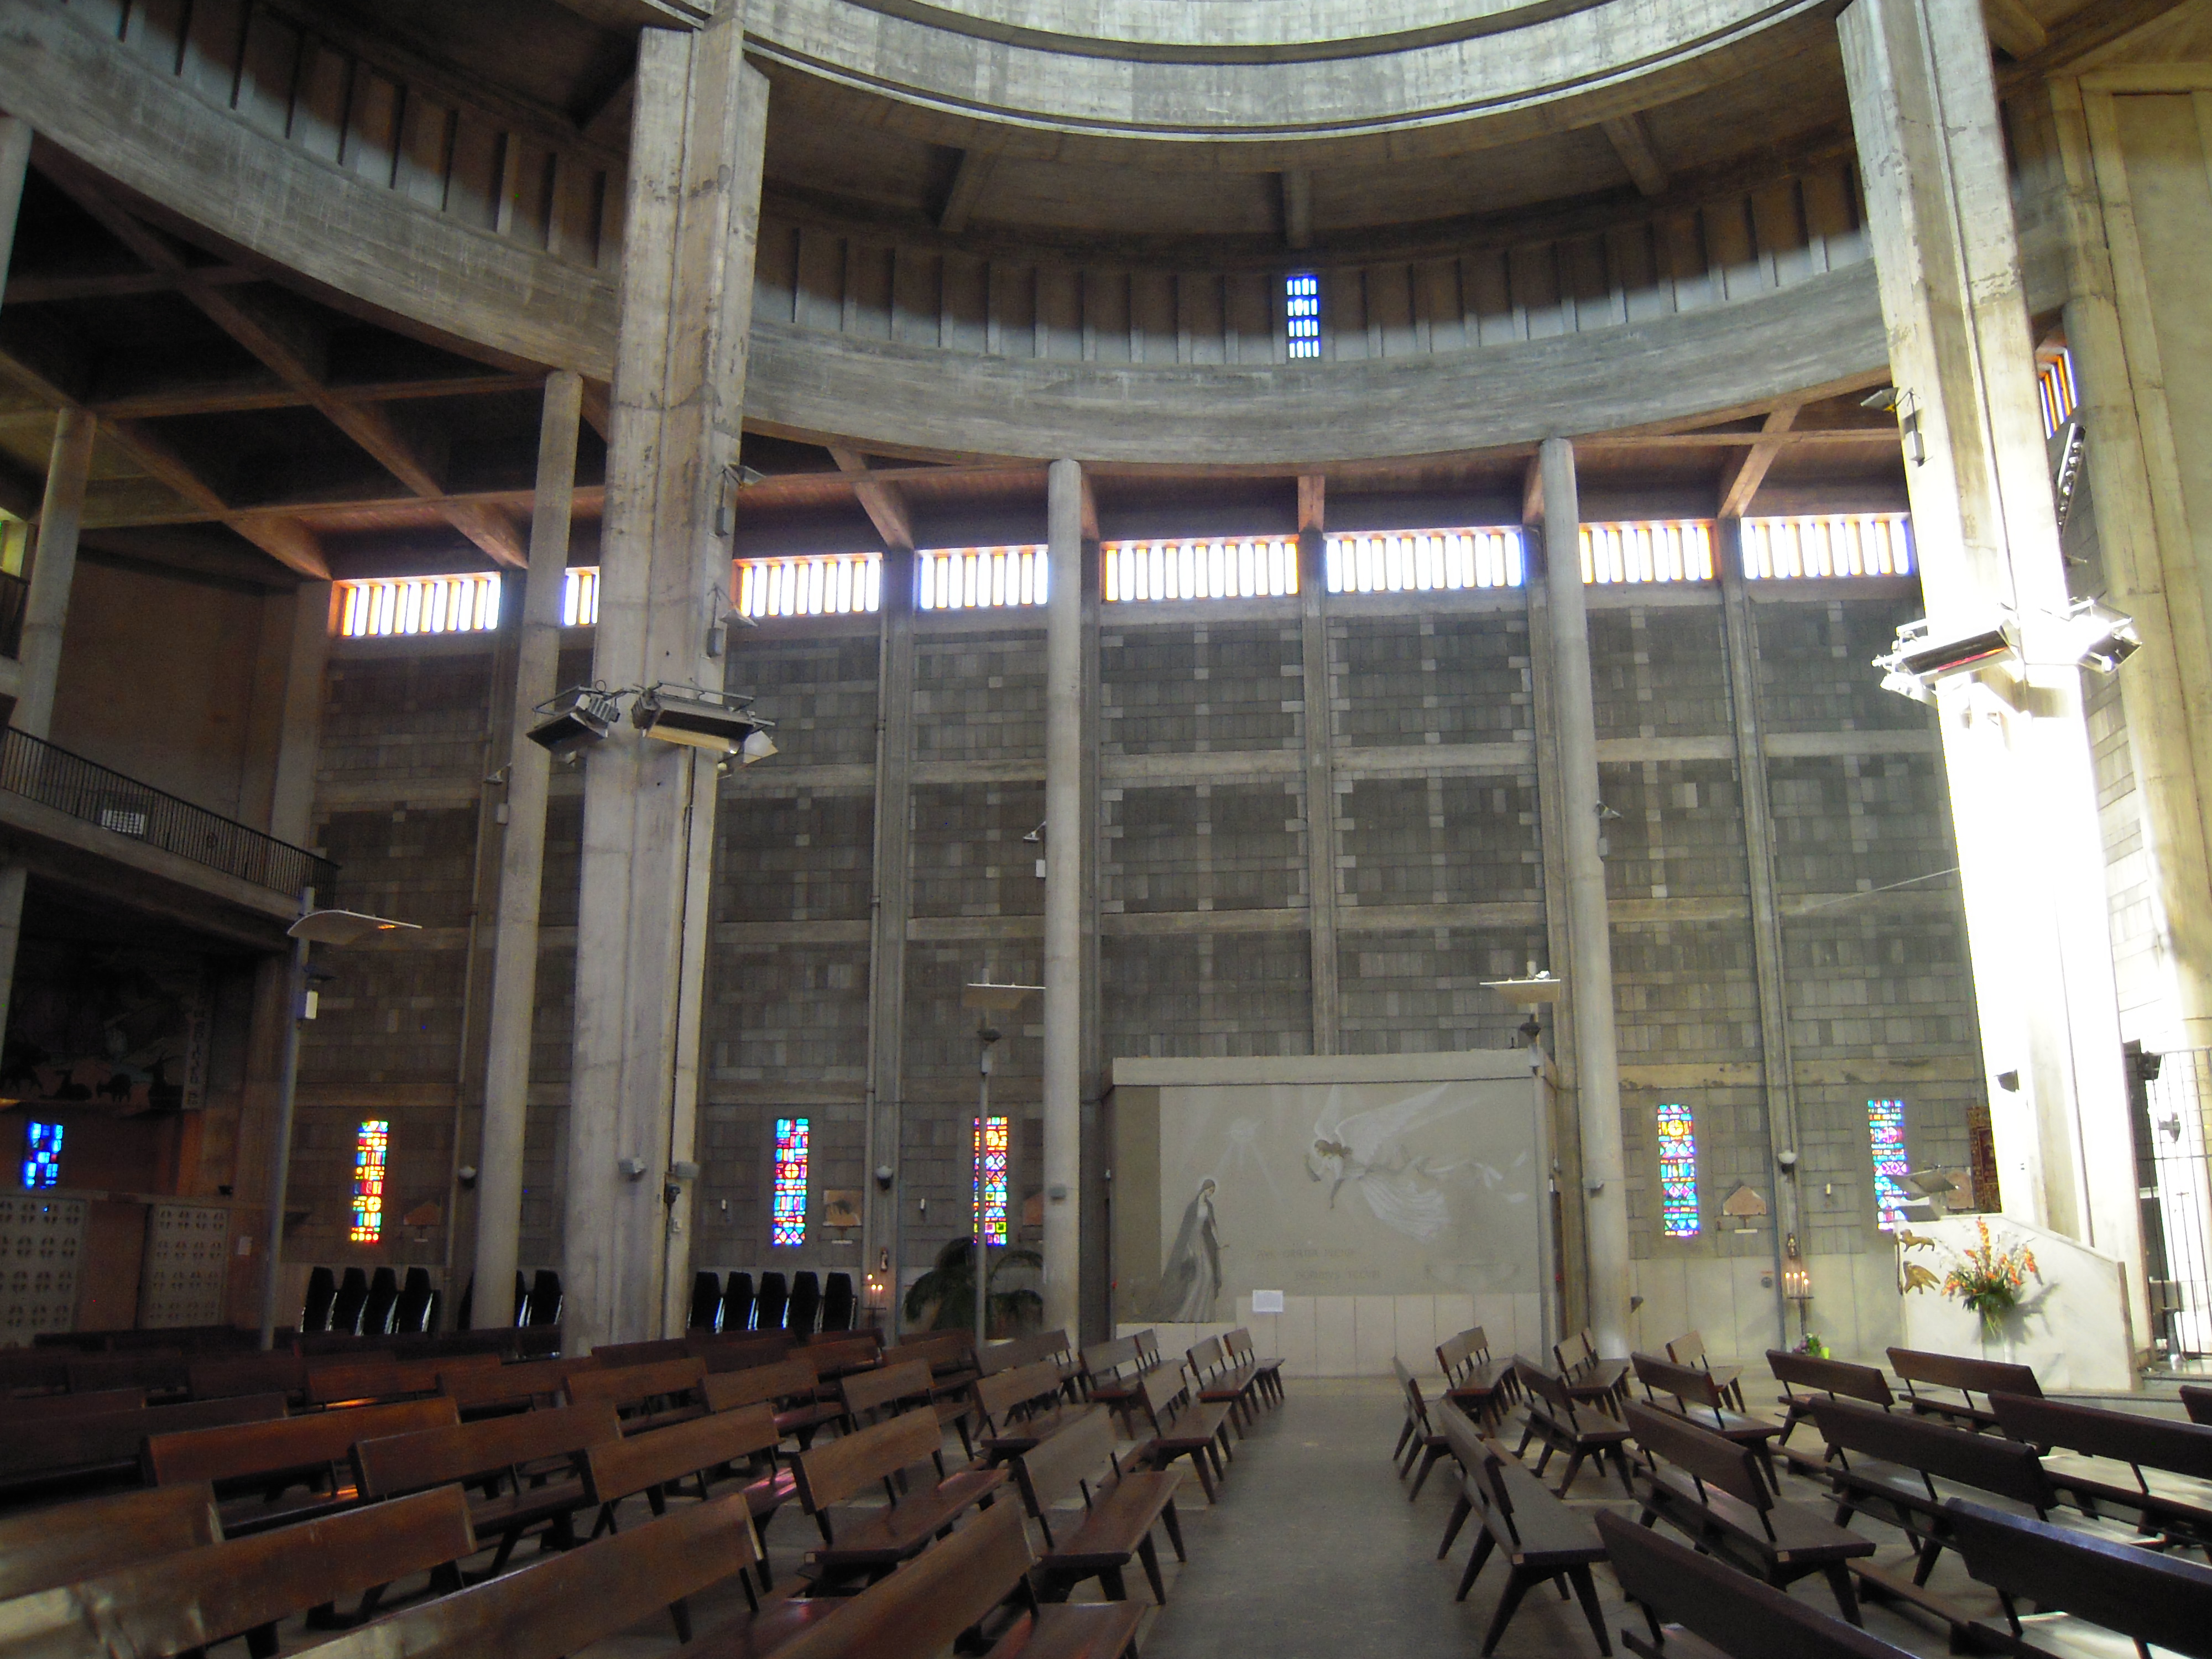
(843, 1356)
(1698, 1397)
(504, 1458)
(1689, 1349)
(95, 1535)
(230, 1375)
(51, 1408)
(870, 1396)
(2134, 1438)
(2197, 1402)
(1119, 1510)
(370, 1381)
(2156, 1600)
(1564, 1425)
(1805, 1379)
(568, 1602)
(242, 1587)
(482, 1389)
(1420, 1438)
(650, 1396)
(739, 1350)
(1220, 1380)
(1591, 1377)
(1183, 1427)
(1473, 1381)
(1111, 1371)
(269, 1458)
(618, 1356)
(1696, 1608)
(951, 1356)
(1711, 1490)
(73, 1451)
(1016, 1409)
(1269, 1371)
(869, 1543)
(163, 1373)
(1539, 1538)
(788, 1385)
(1919, 1367)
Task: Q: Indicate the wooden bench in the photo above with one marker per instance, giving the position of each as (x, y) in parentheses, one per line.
(1917, 1368)
(621, 1356)
(1689, 1349)
(224, 1378)
(1712, 1491)
(1119, 1510)
(504, 1459)
(788, 1384)
(1183, 1427)
(1420, 1439)
(904, 1385)
(1016, 1409)
(1696, 1608)
(1269, 1371)
(646, 1396)
(67, 1453)
(271, 1457)
(2197, 1402)
(842, 1357)
(1805, 1378)
(739, 1350)
(52, 1407)
(95, 1535)
(1473, 1381)
(950, 1355)
(483, 1390)
(188, 1601)
(2155, 1600)
(165, 1376)
(1698, 1397)
(869, 1543)
(1220, 1380)
(1540, 1540)
(1566, 1424)
(1109, 1372)
(1597, 1380)
(2133, 1438)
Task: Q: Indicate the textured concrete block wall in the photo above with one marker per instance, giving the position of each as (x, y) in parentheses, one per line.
(1658, 670)
(1421, 993)
(1457, 678)
(1175, 688)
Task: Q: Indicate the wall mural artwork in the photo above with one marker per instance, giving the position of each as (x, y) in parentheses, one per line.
(125, 1030)
(1326, 1189)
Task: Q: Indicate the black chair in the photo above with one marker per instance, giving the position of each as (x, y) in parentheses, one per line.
(775, 1296)
(738, 1303)
(522, 1298)
(467, 1308)
(706, 1303)
(377, 1313)
(805, 1302)
(545, 1298)
(837, 1303)
(322, 1292)
(352, 1298)
(417, 1306)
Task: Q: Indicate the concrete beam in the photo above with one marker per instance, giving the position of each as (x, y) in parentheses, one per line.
(1313, 502)
(15, 161)
(1297, 207)
(884, 506)
(285, 539)
(1065, 833)
(1632, 142)
(969, 180)
(1744, 472)
(2014, 29)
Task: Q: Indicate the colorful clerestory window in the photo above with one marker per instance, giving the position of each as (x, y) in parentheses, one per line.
(372, 1143)
(787, 1217)
(1678, 1172)
(1886, 1137)
(993, 1138)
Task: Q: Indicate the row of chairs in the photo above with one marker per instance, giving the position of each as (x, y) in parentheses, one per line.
(807, 1303)
(365, 1303)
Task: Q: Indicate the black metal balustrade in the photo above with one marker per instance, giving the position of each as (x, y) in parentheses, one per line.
(90, 793)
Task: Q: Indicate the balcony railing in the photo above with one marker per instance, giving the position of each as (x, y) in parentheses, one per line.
(14, 599)
(90, 793)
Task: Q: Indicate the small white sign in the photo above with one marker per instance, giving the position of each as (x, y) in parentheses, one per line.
(1264, 1301)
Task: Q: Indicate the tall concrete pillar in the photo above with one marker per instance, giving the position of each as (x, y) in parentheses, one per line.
(1589, 967)
(45, 614)
(15, 163)
(885, 1235)
(522, 862)
(1064, 833)
(1924, 109)
(299, 720)
(1320, 769)
(687, 284)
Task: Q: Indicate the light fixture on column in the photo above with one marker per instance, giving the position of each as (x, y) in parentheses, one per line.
(1919, 659)
(577, 719)
(1532, 991)
(718, 721)
(2088, 633)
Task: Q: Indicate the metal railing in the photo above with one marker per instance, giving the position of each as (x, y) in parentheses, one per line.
(14, 600)
(90, 793)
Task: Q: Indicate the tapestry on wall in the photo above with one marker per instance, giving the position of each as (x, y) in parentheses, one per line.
(103, 1027)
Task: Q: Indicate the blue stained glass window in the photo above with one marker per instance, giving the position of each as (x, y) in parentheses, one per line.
(1678, 1172)
(993, 1138)
(1886, 1137)
(1301, 314)
(371, 1146)
(42, 1156)
(788, 1219)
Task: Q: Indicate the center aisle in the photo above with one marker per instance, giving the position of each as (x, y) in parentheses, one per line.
(1315, 1553)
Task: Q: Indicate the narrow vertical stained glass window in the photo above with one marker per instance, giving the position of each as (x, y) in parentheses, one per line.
(370, 1146)
(992, 1141)
(42, 1156)
(1301, 314)
(1885, 1135)
(2054, 389)
(1678, 1172)
(788, 1219)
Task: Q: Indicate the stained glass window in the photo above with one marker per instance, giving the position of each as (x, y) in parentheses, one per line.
(1885, 1134)
(1230, 567)
(788, 1218)
(972, 578)
(370, 1147)
(1412, 561)
(376, 607)
(814, 585)
(1301, 314)
(42, 1156)
(2054, 389)
(993, 1138)
(1678, 1172)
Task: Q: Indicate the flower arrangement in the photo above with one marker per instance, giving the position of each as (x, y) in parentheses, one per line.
(1810, 1343)
(1989, 1279)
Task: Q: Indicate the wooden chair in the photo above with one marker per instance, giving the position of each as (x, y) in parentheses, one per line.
(1221, 1381)
(1473, 1381)
(185, 1602)
(266, 1459)
(1710, 1490)
(1968, 1377)
(868, 1544)
(1697, 1396)
(1118, 1514)
(1566, 1424)
(1689, 1349)
(2126, 1437)
(96, 1535)
(526, 1469)
(1805, 1379)
(1183, 1427)
(2155, 1600)
(1420, 1439)
(1539, 1538)
(1696, 1608)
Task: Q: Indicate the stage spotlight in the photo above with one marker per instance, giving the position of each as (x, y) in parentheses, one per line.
(1917, 661)
(702, 719)
(2093, 635)
(577, 719)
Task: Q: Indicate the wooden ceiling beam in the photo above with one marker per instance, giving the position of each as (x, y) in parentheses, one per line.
(284, 540)
(969, 180)
(2014, 29)
(882, 502)
(159, 403)
(1744, 472)
(31, 290)
(1632, 142)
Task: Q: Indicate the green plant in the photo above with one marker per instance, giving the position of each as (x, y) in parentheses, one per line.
(1811, 1345)
(950, 1286)
(1989, 1279)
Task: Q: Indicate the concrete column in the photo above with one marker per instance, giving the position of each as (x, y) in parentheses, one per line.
(692, 218)
(1780, 1073)
(1320, 776)
(1063, 899)
(45, 613)
(300, 721)
(15, 163)
(888, 912)
(522, 862)
(1589, 971)
(1924, 109)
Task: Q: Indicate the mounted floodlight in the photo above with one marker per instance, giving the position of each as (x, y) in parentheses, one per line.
(342, 928)
(713, 720)
(2090, 634)
(577, 719)
(759, 746)
(1918, 660)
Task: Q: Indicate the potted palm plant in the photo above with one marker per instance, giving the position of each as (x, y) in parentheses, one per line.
(945, 1295)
